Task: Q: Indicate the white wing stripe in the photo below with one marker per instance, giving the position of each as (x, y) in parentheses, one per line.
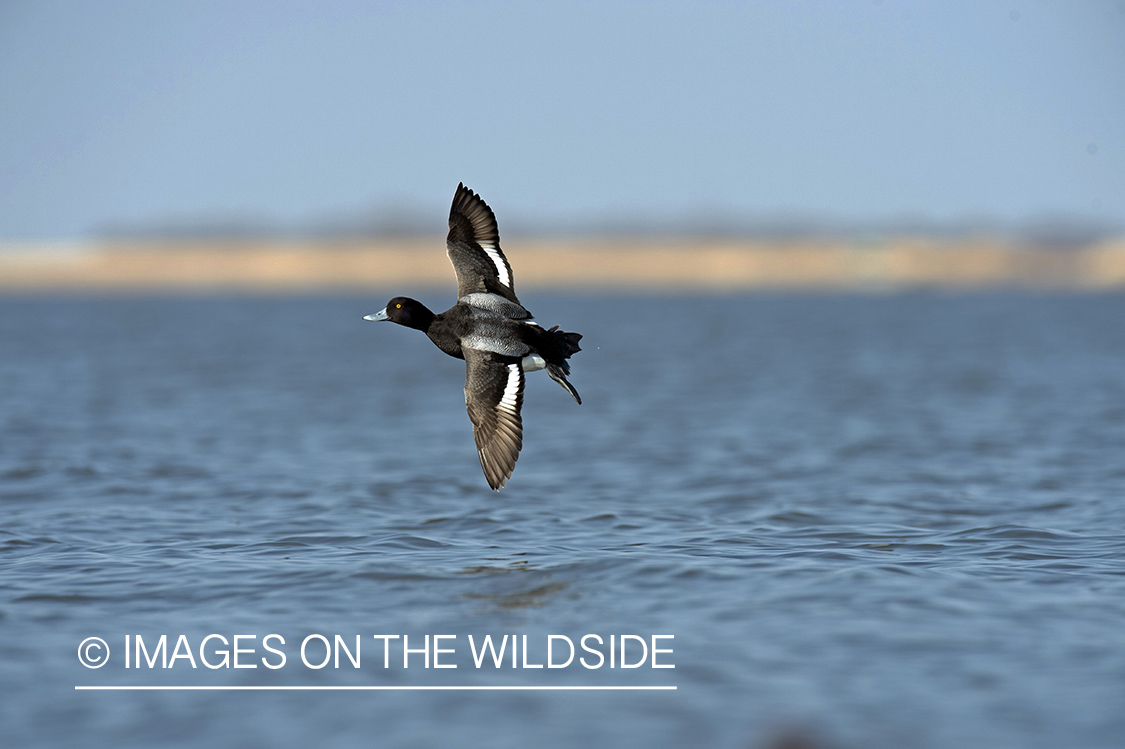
(511, 390)
(498, 261)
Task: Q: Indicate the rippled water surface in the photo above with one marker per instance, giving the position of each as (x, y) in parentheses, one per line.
(868, 521)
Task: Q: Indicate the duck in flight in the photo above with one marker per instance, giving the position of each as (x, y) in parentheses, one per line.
(488, 328)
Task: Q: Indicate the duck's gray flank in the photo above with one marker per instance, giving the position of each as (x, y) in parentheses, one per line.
(496, 336)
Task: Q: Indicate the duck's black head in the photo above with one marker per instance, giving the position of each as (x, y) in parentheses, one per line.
(405, 311)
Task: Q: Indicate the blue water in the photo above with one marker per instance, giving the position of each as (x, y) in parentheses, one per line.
(867, 521)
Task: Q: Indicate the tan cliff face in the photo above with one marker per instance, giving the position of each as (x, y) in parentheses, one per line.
(659, 264)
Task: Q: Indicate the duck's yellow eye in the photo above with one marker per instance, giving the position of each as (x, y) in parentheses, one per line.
(398, 306)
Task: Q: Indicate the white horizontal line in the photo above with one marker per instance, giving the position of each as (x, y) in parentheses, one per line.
(369, 688)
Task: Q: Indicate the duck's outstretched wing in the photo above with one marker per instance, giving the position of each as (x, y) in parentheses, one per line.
(493, 397)
(473, 247)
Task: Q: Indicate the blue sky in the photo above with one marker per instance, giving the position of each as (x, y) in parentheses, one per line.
(118, 114)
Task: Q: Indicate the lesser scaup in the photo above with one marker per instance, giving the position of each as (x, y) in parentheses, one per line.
(492, 332)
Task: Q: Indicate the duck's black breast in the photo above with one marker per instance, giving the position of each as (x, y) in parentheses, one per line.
(464, 326)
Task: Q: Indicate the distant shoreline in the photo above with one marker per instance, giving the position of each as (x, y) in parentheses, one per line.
(659, 264)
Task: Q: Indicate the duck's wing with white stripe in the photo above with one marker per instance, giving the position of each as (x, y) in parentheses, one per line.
(473, 247)
(493, 397)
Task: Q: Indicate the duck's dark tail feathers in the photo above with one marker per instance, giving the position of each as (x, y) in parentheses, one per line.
(569, 341)
(558, 375)
(568, 345)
